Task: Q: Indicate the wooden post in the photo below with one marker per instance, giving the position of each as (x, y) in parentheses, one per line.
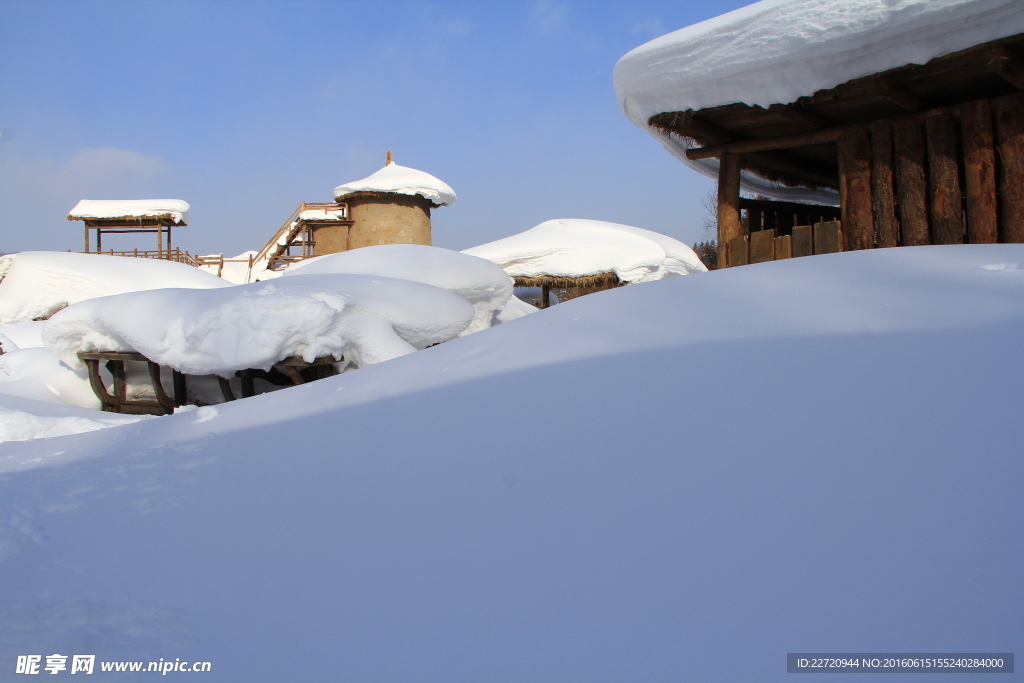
(86, 238)
(545, 295)
(159, 241)
(980, 172)
(169, 239)
(855, 187)
(99, 240)
(729, 224)
(911, 181)
(882, 194)
(944, 178)
(1009, 117)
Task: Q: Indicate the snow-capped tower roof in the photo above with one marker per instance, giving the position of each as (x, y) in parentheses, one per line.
(395, 179)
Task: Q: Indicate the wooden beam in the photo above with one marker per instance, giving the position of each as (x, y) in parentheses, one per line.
(1002, 60)
(980, 172)
(944, 179)
(855, 187)
(765, 144)
(911, 180)
(901, 97)
(1009, 125)
(882, 193)
(802, 115)
(729, 224)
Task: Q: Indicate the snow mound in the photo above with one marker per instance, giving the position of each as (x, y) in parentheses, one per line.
(776, 51)
(131, 208)
(577, 247)
(27, 335)
(39, 374)
(365, 319)
(36, 284)
(23, 419)
(477, 280)
(401, 180)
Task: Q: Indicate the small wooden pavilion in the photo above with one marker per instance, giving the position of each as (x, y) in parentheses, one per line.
(919, 154)
(120, 216)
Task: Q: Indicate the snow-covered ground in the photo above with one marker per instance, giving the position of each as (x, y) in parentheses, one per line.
(679, 480)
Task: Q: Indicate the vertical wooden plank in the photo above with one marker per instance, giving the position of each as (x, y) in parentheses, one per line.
(855, 187)
(86, 238)
(911, 180)
(762, 246)
(180, 388)
(1009, 120)
(729, 224)
(803, 240)
(738, 255)
(944, 179)
(882, 193)
(827, 237)
(784, 247)
(980, 172)
(545, 295)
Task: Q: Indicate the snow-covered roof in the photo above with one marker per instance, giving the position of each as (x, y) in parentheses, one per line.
(776, 51)
(401, 180)
(579, 247)
(321, 215)
(131, 208)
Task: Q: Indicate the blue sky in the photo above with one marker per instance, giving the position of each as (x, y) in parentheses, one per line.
(244, 109)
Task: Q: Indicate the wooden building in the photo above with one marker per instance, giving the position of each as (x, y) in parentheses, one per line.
(392, 206)
(156, 217)
(918, 154)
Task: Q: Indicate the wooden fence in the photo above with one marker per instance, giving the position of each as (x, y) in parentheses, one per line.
(804, 240)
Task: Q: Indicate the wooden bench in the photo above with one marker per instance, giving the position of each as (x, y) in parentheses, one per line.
(288, 372)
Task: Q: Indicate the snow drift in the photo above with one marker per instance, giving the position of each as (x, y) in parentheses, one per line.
(476, 280)
(37, 284)
(576, 247)
(792, 456)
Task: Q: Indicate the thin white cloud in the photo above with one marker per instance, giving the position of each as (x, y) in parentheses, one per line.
(547, 17)
(649, 29)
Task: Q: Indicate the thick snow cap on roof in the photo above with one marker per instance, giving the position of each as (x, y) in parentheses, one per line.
(131, 208)
(36, 284)
(776, 51)
(578, 247)
(401, 180)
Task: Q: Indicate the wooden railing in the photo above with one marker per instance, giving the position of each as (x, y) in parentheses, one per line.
(176, 255)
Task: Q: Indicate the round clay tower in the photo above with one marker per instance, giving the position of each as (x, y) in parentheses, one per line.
(392, 206)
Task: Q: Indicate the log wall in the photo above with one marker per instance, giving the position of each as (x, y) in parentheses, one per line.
(950, 175)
